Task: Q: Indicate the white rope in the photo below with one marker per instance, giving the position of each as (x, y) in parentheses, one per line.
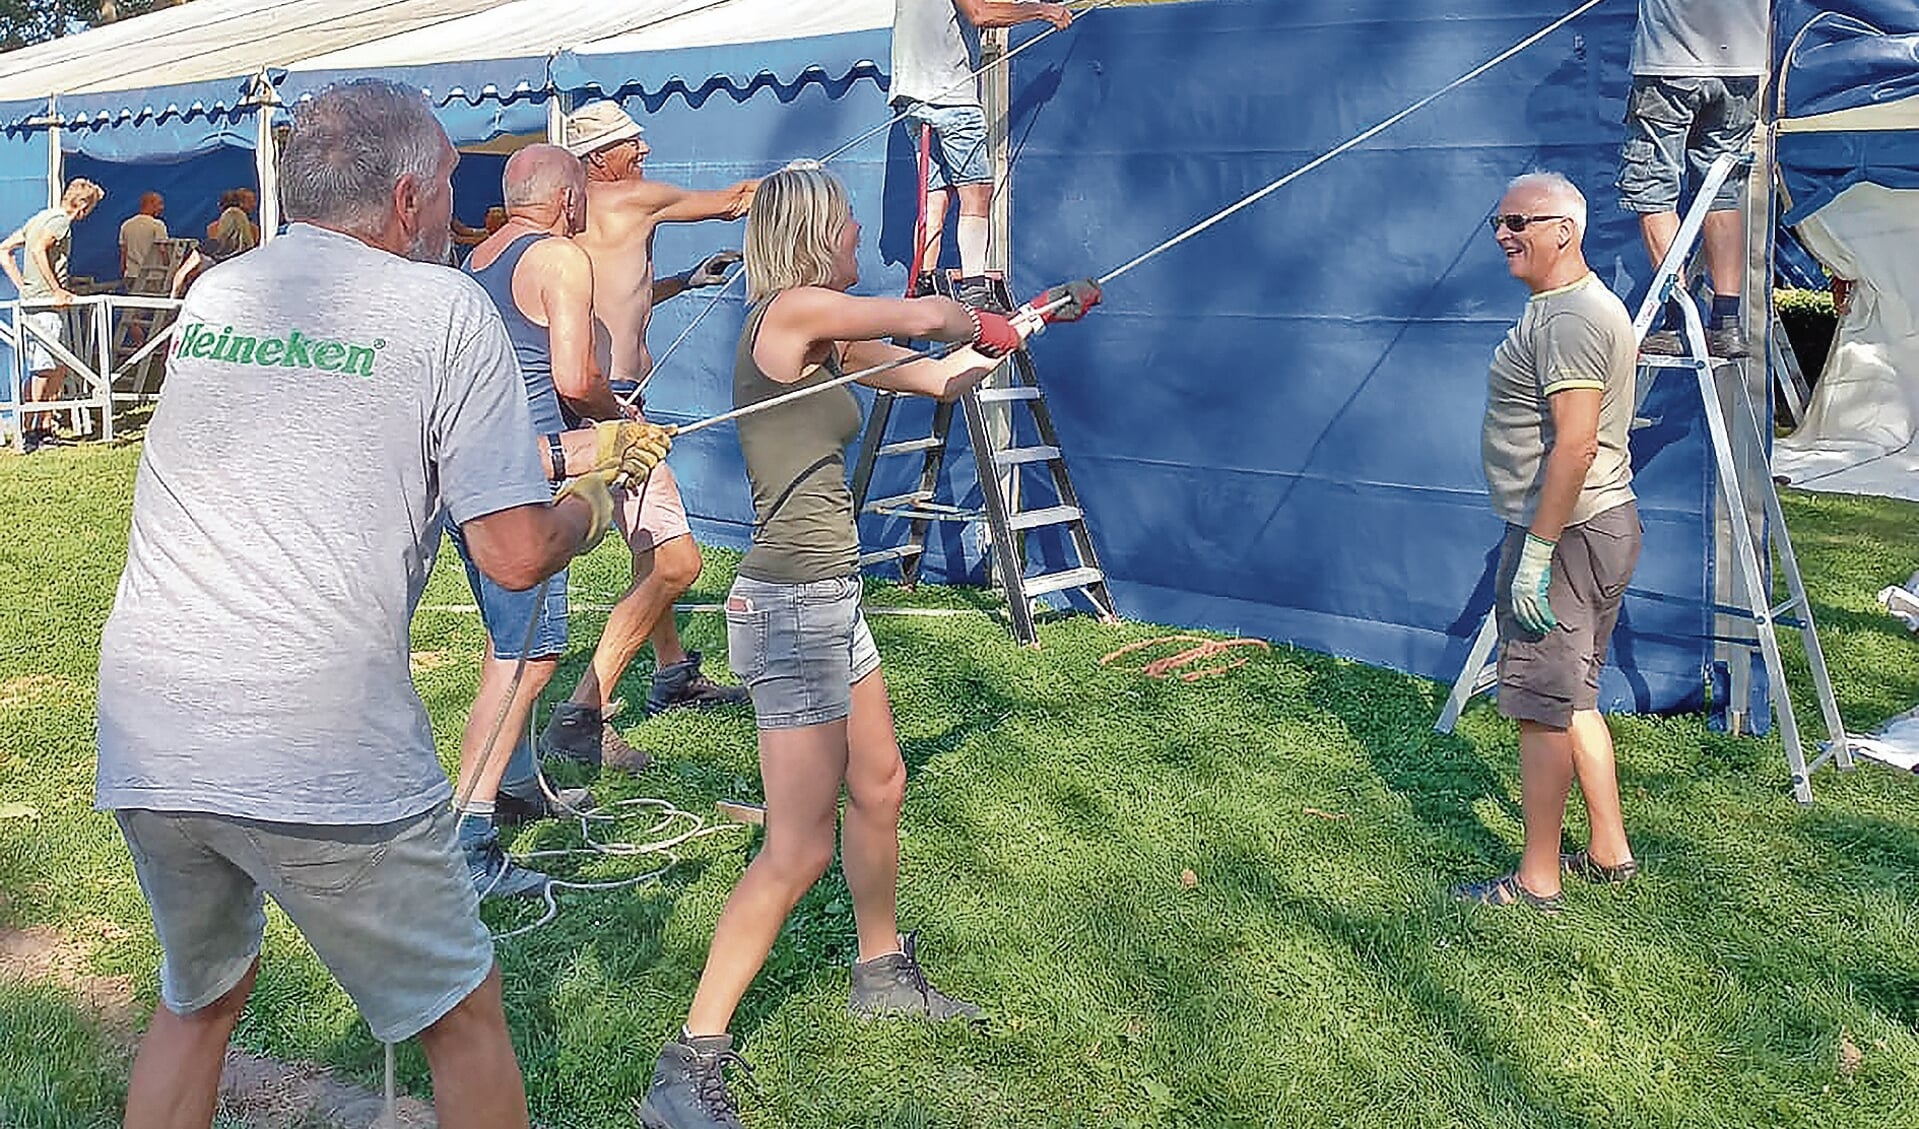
(1360, 139)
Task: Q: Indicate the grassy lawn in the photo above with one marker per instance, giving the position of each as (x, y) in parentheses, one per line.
(1309, 970)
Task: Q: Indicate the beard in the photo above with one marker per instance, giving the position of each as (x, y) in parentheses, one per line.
(431, 246)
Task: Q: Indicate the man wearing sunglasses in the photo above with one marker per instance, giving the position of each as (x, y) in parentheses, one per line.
(1696, 66)
(1559, 405)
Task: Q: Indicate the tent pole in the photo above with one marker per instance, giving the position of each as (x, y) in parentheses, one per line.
(56, 159)
(265, 158)
(558, 105)
(996, 96)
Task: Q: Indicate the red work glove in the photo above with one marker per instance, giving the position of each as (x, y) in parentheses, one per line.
(1075, 299)
(995, 334)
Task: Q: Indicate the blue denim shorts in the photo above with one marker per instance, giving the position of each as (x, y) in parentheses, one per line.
(799, 648)
(1676, 126)
(388, 908)
(507, 613)
(959, 142)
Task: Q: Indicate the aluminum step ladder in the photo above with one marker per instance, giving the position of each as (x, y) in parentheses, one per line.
(1736, 490)
(1005, 464)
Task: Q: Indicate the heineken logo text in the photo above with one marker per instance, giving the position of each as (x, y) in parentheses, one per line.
(294, 350)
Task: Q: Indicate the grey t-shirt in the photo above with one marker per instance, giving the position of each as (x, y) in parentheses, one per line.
(1577, 336)
(1726, 38)
(933, 52)
(55, 222)
(326, 403)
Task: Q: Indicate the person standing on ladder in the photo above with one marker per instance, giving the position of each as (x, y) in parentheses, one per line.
(1558, 410)
(1696, 66)
(935, 52)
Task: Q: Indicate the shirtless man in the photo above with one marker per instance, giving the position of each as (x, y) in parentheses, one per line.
(623, 211)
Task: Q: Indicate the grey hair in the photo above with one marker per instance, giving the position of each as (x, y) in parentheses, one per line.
(349, 146)
(537, 174)
(1564, 193)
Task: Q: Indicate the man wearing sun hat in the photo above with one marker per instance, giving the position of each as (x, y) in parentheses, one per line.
(623, 211)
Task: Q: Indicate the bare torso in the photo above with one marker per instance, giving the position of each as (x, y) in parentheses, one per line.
(621, 217)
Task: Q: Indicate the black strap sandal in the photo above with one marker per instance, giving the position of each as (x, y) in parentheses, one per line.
(1506, 890)
(1580, 864)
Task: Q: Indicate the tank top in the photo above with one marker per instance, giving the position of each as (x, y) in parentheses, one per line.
(803, 528)
(532, 345)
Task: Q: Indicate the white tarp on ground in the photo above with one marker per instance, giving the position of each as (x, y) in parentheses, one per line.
(1861, 433)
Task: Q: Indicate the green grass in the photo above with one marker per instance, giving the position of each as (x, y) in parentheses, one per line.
(1315, 973)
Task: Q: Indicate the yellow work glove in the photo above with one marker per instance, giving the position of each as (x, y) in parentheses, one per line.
(595, 489)
(630, 449)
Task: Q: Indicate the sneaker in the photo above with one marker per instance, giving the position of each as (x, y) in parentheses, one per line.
(923, 285)
(1727, 341)
(895, 985)
(495, 876)
(682, 684)
(689, 1085)
(1663, 343)
(573, 733)
(977, 291)
(566, 803)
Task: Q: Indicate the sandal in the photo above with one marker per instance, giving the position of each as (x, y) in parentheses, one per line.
(1506, 890)
(1580, 864)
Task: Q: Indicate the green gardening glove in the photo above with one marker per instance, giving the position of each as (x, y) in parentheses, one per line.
(1531, 583)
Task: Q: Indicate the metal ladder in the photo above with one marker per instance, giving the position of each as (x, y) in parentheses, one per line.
(1480, 674)
(1001, 462)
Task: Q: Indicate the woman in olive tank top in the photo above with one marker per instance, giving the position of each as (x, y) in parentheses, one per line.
(795, 635)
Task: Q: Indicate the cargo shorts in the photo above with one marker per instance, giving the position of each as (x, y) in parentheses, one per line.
(1547, 678)
(1680, 126)
(388, 908)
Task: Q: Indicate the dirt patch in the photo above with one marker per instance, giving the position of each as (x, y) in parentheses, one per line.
(28, 689)
(262, 1092)
(429, 660)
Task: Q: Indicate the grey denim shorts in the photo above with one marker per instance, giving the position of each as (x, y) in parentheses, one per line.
(799, 648)
(388, 908)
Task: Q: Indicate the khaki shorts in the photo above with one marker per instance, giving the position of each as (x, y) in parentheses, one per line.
(653, 515)
(388, 908)
(1546, 679)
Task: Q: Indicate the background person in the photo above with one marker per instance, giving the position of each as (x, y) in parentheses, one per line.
(46, 244)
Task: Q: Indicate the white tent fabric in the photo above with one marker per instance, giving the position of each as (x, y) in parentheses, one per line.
(214, 40)
(1861, 432)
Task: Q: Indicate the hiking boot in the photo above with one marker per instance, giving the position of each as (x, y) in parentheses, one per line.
(496, 876)
(977, 291)
(895, 985)
(1727, 341)
(572, 733)
(682, 684)
(509, 809)
(689, 1085)
(923, 285)
(619, 754)
(1663, 343)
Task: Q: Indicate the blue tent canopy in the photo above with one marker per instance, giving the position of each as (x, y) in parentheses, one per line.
(1836, 59)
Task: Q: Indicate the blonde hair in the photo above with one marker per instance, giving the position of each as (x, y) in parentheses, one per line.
(792, 229)
(80, 190)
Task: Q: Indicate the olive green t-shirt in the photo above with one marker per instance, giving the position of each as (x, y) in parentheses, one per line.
(803, 528)
(1577, 336)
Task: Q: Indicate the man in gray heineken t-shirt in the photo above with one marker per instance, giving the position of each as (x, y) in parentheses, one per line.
(1559, 411)
(329, 397)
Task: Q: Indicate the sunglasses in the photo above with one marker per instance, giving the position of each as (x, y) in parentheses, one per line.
(1513, 221)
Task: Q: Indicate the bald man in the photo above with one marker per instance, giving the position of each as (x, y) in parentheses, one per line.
(143, 231)
(542, 283)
